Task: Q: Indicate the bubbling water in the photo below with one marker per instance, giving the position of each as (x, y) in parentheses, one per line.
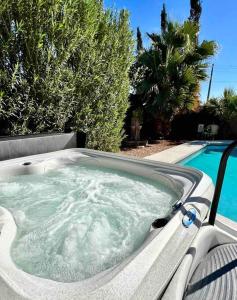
(77, 221)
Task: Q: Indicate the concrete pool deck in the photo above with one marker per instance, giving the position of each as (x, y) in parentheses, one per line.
(180, 152)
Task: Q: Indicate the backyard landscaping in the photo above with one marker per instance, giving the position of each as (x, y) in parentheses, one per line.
(118, 165)
(150, 149)
(81, 69)
(84, 68)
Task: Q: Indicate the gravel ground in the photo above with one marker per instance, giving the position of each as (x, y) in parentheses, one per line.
(150, 149)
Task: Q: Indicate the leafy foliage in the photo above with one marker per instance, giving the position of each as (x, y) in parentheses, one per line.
(195, 10)
(224, 106)
(139, 41)
(164, 19)
(170, 70)
(221, 111)
(64, 65)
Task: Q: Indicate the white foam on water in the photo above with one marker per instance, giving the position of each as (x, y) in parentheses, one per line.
(79, 220)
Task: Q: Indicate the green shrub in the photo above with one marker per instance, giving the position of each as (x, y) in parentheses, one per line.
(64, 64)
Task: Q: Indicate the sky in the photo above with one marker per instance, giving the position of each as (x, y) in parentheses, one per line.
(218, 22)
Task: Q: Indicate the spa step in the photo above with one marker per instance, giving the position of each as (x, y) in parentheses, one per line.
(216, 276)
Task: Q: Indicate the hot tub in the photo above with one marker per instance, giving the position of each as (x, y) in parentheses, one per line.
(83, 224)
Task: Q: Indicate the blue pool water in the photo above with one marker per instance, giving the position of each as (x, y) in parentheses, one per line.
(208, 161)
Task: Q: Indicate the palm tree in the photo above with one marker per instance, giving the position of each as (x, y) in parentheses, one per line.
(225, 106)
(171, 69)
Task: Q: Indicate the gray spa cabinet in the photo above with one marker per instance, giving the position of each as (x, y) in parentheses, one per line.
(143, 275)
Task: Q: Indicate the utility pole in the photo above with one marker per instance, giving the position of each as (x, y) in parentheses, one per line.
(210, 82)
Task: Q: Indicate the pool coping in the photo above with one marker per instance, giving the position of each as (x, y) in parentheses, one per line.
(183, 151)
(226, 224)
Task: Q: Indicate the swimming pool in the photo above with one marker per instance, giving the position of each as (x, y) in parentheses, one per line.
(207, 160)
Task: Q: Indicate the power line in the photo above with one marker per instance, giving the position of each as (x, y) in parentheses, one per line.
(220, 82)
(224, 81)
(227, 70)
(225, 66)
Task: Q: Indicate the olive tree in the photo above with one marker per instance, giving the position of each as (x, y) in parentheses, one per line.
(64, 66)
